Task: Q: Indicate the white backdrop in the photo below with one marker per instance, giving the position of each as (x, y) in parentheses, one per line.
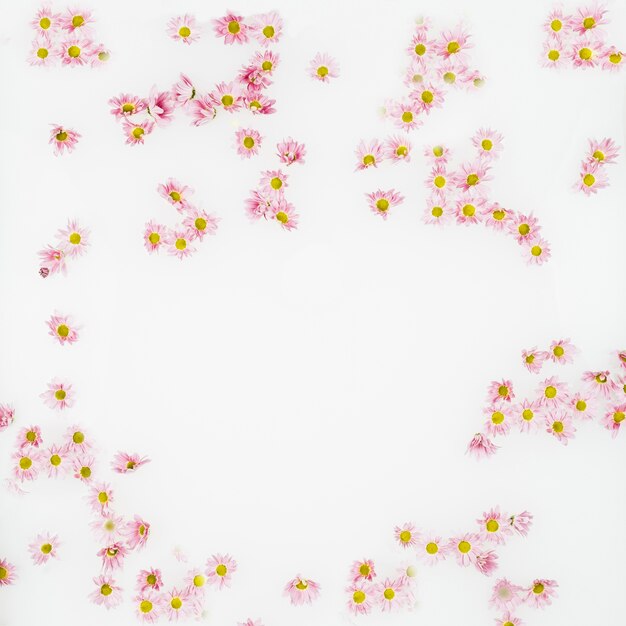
(301, 393)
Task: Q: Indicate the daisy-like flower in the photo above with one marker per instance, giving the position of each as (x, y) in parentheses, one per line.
(473, 79)
(581, 406)
(613, 419)
(553, 53)
(62, 328)
(248, 142)
(500, 391)
(562, 351)
(587, 53)
(600, 383)
(42, 51)
(149, 606)
(381, 202)
(486, 562)
(499, 419)
(436, 211)
(232, 27)
(100, 497)
(149, 579)
(422, 49)
(592, 178)
(179, 243)
(465, 548)
(416, 74)
(113, 556)
(196, 581)
(202, 110)
(154, 236)
(52, 261)
(75, 51)
(427, 97)
(137, 532)
(613, 59)
(397, 148)
(135, 132)
(586, 19)
(56, 460)
(534, 359)
(59, 395)
(29, 437)
(76, 21)
(602, 152)
(495, 216)
(123, 462)
(508, 619)
(301, 590)
(471, 177)
(7, 415)
(175, 193)
(323, 67)
(274, 182)
(227, 95)
(179, 603)
(488, 142)
(259, 104)
(552, 392)
(289, 151)
(7, 573)
(438, 181)
(369, 154)
(76, 440)
(26, 464)
(63, 139)
(108, 528)
(45, 21)
(183, 28)
(557, 23)
(494, 526)
(220, 568)
(73, 238)
(160, 106)
(83, 468)
(267, 28)
(361, 598)
(265, 63)
(452, 73)
(106, 593)
(453, 43)
(541, 592)
(468, 210)
(538, 251)
(199, 223)
(391, 594)
(525, 228)
(481, 446)
(505, 595)
(43, 548)
(363, 570)
(126, 105)
(560, 425)
(528, 414)
(430, 549)
(100, 55)
(284, 213)
(406, 535)
(405, 115)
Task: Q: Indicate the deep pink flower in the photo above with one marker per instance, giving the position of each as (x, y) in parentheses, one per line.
(126, 105)
(112, 556)
(107, 593)
(135, 132)
(63, 139)
(220, 569)
(361, 597)
(160, 106)
(323, 67)
(183, 28)
(289, 151)
(301, 590)
(123, 463)
(202, 110)
(541, 592)
(59, 395)
(43, 548)
(481, 446)
(381, 202)
(232, 28)
(62, 328)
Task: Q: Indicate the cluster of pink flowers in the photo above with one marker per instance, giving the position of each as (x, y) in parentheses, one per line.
(578, 40)
(507, 596)
(462, 195)
(66, 37)
(474, 547)
(555, 407)
(7, 416)
(592, 175)
(196, 224)
(268, 200)
(71, 242)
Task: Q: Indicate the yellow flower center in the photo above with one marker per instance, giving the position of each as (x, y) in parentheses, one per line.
(527, 415)
(138, 132)
(25, 463)
(364, 570)
(497, 417)
(618, 416)
(42, 53)
(550, 391)
(103, 56)
(558, 351)
(432, 548)
(508, 624)
(382, 204)
(615, 58)
(601, 378)
(503, 390)
(154, 238)
(389, 593)
(405, 536)
(46, 548)
(282, 217)
(175, 195)
(557, 427)
(436, 211)
(180, 244)
(200, 223)
(453, 47)
(103, 497)
(411, 571)
(538, 588)
(585, 54)
(269, 31)
(322, 71)
(554, 55)
(78, 21)
(198, 580)
(31, 436)
(302, 585)
(151, 579)
(556, 25)
(73, 51)
(112, 552)
(498, 214)
(427, 96)
(255, 104)
(523, 229)
(106, 590)
(438, 151)
(267, 66)
(63, 330)
(439, 181)
(469, 210)
(128, 107)
(420, 49)
(176, 603)
(368, 160)
(589, 179)
(598, 155)
(536, 250)
(45, 23)
(589, 22)
(85, 472)
(4, 573)
(221, 570)
(492, 526)
(142, 530)
(358, 597)
(248, 142)
(449, 78)
(581, 405)
(402, 151)
(145, 606)
(486, 144)
(234, 27)
(465, 547)
(55, 460)
(78, 437)
(62, 136)
(109, 525)
(184, 31)
(130, 465)
(75, 239)
(530, 358)
(472, 179)
(407, 117)
(227, 100)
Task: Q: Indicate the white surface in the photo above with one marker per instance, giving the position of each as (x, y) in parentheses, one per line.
(301, 393)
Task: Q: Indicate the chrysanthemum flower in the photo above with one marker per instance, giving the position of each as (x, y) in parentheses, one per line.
(135, 132)
(62, 328)
(196, 581)
(284, 213)
(397, 148)
(45, 21)
(557, 23)
(289, 151)
(453, 43)
(581, 406)
(538, 251)
(232, 27)
(613, 59)
(495, 216)
(381, 202)
(508, 619)
(431, 549)
(473, 79)
(100, 55)
(406, 535)
(258, 103)
(56, 460)
(417, 74)
(83, 468)
(248, 142)
(7, 573)
(160, 106)
(184, 91)
(59, 395)
(600, 383)
(42, 51)
(486, 562)
(369, 154)
(123, 462)
(587, 19)
(76, 21)
(527, 414)
(505, 596)
(202, 110)
(499, 419)
(126, 105)
(481, 446)
(602, 152)
(74, 238)
(452, 73)
(258, 204)
(541, 592)
(323, 67)
(525, 228)
(112, 556)
(494, 526)
(534, 359)
(108, 528)
(100, 497)
(437, 154)
(592, 178)
(500, 391)
(76, 440)
(471, 177)
(553, 53)
(553, 392)
(220, 568)
(267, 28)
(613, 419)
(29, 437)
(107, 593)
(438, 181)
(362, 570)
(137, 532)
(179, 243)
(488, 142)
(149, 579)
(43, 548)
(391, 594)
(422, 49)
(7, 415)
(183, 28)
(273, 182)
(26, 464)
(265, 63)
(227, 95)
(175, 193)
(154, 236)
(559, 424)
(405, 115)
(149, 606)
(361, 598)
(469, 210)
(199, 223)
(465, 548)
(427, 97)
(63, 139)
(562, 351)
(180, 604)
(437, 211)
(52, 261)
(75, 51)
(587, 53)
(301, 590)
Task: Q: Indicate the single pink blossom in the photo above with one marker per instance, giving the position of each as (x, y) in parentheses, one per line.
(199, 223)
(83, 468)
(46, 21)
(123, 462)
(248, 141)
(534, 359)
(74, 238)
(525, 228)
(56, 460)
(137, 532)
(220, 569)
(202, 110)
(75, 51)
(232, 28)
(183, 28)
(406, 535)
(494, 526)
(481, 446)
(43, 548)
(602, 152)
(431, 549)
(29, 437)
(499, 419)
(63, 139)
(505, 595)
(614, 417)
(267, 28)
(381, 202)
(154, 236)
(301, 590)
(125, 105)
(465, 548)
(160, 106)
(59, 395)
(113, 556)
(323, 67)
(562, 351)
(289, 151)
(363, 570)
(62, 328)
(135, 132)
(100, 497)
(560, 425)
(106, 593)
(541, 592)
(149, 606)
(76, 21)
(391, 594)
(528, 414)
(361, 597)
(7, 573)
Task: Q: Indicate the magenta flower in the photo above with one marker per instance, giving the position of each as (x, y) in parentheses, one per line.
(232, 28)
(301, 590)
(63, 139)
(219, 570)
(62, 328)
(160, 106)
(59, 395)
(183, 28)
(107, 593)
(361, 598)
(362, 570)
(289, 151)
(112, 556)
(123, 463)
(43, 548)
(541, 592)
(248, 142)
(481, 446)
(136, 132)
(7, 573)
(267, 28)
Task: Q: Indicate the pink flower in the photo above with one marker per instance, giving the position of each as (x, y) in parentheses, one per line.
(200, 223)
(62, 328)
(363, 570)
(553, 53)
(100, 55)
(323, 67)
(175, 193)
(587, 18)
(26, 464)
(494, 526)
(505, 595)
(369, 154)
(526, 414)
(227, 95)
(56, 460)
(250, 622)
(267, 28)
(248, 142)
(100, 497)
(397, 148)
(74, 239)
(612, 59)
(195, 581)
(42, 51)
(613, 419)
(453, 43)
(469, 210)
(29, 437)
(621, 355)
(557, 23)
(452, 73)
(258, 204)
(284, 213)
(481, 446)
(126, 105)
(560, 425)
(587, 52)
(7, 573)
(552, 392)
(488, 142)
(541, 592)
(289, 151)
(361, 598)
(592, 178)
(52, 261)
(391, 594)
(431, 550)
(500, 391)
(538, 252)
(562, 351)
(405, 115)
(154, 236)
(160, 106)
(524, 228)
(137, 533)
(107, 593)
(495, 216)
(580, 405)
(179, 244)
(437, 154)
(112, 556)
(437, 211)
(149, 606)
(600, 383)
(108, 528)
(220, 568)
(422, 49)
(406, 535)
(75, 51)
(45, 21)
(180, 603)
(486, 562)
(83, 468)
(135, 132)
(534, 359)
(438, 181)
(473, 80)
(265, 63)
(183, 92)
(76, 21)
(427, 97)
(259, 104)
(232, 27)
(149, 579)
(301, 590)
(465, 548)
(508, 619)
(76, 440)
(183, 28)
(381, 202)
(63, 139)
(499, 420)
(274, 182)
(7, 415)
(59, 395)
(202, 110)
(602, 152)
(123, 463)
(471, 177)
(43, 548)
